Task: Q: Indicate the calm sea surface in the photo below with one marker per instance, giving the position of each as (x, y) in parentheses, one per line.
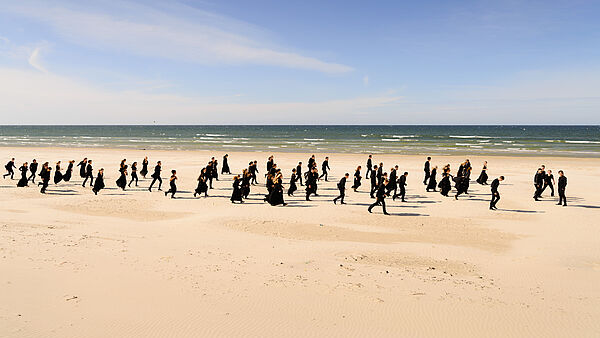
(580, 141)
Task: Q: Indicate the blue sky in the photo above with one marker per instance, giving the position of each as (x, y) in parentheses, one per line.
(309, 62)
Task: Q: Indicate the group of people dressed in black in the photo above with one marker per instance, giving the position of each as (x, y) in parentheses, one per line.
(382, 184)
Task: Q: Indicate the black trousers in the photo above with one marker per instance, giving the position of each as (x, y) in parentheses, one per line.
(32, 178)
(254, 179)
(562, 197)
(44, 186)
(495, 199)
(549, 185)
(380, 201)
(299, 178)
(10, 173)
(324, 174)
(86, 178)
(401, 194)
(538, 191)
(368, 172)
(341, 196)
(154, 179)
(134, 177)
(427, 175)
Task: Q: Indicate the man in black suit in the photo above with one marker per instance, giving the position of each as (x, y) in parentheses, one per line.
(9, 168)
(324, 168)
(156, 175)
(380, 198)
(299, 173)
(549, 182)
(373, 181)
(538, 183)
(342, 188)
(495, 193)
(562, 186)
(88, 174)
(369, 165)
(401, 185)
(427, 170)
(393, 178)
(33, 169)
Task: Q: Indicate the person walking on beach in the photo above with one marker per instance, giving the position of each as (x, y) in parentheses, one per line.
(23, 181)
(445, 185)
(562, 186)
(373, 181)
(9, 169)
(122, 180)
(427, 171)
(538, 183)
(156, 176)
(45, 176)
(99, 183)
(82, 164)
(432, 180)
(88, 174)
(324, 168)
(393, 185)
(380, 198)
(342, 188)
(33, 169)
(69, 172)
(144, 170)
(236, 195)
(293, 187)
(402, 186)
(225, 167)
(483, 177)
(357, 178)
(270, 162)
(299, 173)
(369, 166)
(253, 169)
(495, 193)
(202, 187)
(380, 174)
(549, 183)
(311, 183)
(172, 184)
(134, 175)
(57, 174)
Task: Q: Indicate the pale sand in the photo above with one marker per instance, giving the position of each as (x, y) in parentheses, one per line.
(137, 264)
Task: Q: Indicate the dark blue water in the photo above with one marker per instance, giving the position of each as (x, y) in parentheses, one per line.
(580, 141)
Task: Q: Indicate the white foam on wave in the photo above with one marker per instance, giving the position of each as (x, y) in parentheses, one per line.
(314, 139)
(390, 140)
(583, 142)
(215, 135)
(404, 136)
(472, 136)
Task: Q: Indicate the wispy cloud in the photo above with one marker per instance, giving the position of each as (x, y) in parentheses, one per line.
(366, 80)
(175, 32)
(35, 60)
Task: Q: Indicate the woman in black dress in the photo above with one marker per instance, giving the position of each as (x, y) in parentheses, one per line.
(202, 187)
(483, 177)
(225, 168)
(236, 195)
(144, 170)
(293, 186)
(82, 166)
(99, 183)
(134, 176)
(45, 176)
(246, 177)
(122, 181)
(69, 172)
(276, 196)
(24, 179)
(445, 184)
(172, 184)
(432, 181)
(357, 179)
(57, 174)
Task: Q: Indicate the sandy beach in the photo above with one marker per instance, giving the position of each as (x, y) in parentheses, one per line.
(136, 264)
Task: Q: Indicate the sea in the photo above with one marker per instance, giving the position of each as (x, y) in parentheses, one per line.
(513, 140)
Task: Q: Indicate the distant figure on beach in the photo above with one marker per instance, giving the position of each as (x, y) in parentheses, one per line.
(299, 173)
(380, 174)
(380, 198)
(369, 166)
(246, 177)
(225, 167)
(538, 183)
(202, 187)
(276, 195)
(312, 162)
(427, 171)
(88, 174)
(172, 184)
(236, 195)
(270, 162)
(156, 176)
(9, 169)
(122, 180)
(357, 179)
(144, 170)
(483, 177)
(69, 172)
(549, 182)
(432, 184)
(393, 185)
(324, 168)
(253, 170)
(134, 175)
(45, 176)
(311, 183)
(461, 185)
(373, 181)
(445, 185)
(82, 164)
(23, 181)
(402, 186)
(33, 169)
(562, 186)
(57, 174)
(495, 193)
(342, 188)
(99, 184)
(293, 179)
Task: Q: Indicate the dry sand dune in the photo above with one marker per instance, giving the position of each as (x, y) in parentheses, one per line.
(134, 263)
